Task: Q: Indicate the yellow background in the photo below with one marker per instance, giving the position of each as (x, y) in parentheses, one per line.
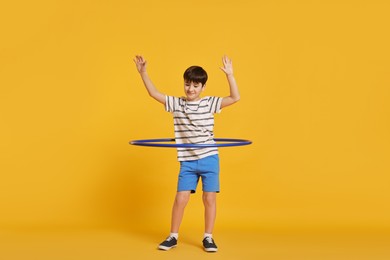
(314, 83)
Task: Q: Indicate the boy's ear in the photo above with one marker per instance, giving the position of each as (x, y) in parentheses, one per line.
(204, 86)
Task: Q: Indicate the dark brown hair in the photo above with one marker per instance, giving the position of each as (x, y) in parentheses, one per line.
(195, 74)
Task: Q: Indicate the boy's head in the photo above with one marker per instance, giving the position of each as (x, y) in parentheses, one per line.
(195, 78)
(195, 74)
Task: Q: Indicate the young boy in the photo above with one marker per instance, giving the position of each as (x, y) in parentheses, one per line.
(194, 123)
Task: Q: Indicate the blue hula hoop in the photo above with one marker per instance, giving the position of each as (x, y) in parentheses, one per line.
(228, 142)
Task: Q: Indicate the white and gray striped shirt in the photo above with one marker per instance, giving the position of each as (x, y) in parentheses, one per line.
(194, 123)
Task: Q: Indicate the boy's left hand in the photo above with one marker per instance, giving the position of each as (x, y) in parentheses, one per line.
(227, 65)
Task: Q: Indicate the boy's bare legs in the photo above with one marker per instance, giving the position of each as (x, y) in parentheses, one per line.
(181, 200)
(210, 210)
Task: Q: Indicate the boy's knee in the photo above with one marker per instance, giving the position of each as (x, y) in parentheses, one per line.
(182, 198)
(209, 198)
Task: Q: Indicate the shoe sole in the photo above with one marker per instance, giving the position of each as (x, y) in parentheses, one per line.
(210, 249)
(166, 248)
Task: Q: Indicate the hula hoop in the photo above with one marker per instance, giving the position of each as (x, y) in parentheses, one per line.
(228, 142)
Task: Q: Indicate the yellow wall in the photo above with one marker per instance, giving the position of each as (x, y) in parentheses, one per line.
(314, 82)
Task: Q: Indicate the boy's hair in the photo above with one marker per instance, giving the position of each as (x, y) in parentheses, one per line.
(195, 74)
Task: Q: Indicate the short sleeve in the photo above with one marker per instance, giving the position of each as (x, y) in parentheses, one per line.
(215, 104)
(171, 103)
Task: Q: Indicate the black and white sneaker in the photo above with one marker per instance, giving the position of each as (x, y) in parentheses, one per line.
(168, 243)
(209, 245)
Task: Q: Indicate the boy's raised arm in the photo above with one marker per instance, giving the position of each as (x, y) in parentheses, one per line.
(234, 93)
(141, 63)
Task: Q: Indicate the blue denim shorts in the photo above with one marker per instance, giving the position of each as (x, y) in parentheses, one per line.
(206, 168)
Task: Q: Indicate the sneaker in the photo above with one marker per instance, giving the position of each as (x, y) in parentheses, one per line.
(209, 245)
(169, 243)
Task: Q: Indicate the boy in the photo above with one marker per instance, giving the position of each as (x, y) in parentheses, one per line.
(194, 123)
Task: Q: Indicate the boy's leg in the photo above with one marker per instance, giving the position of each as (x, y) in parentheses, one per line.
(210, 206)
(210, 210)
(181, 200)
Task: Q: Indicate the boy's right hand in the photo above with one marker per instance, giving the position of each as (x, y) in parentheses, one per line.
(140, 62)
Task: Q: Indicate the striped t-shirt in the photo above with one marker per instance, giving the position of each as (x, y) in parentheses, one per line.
(194, 123)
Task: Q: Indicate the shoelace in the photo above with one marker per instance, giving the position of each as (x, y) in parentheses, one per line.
(209, 240)
(169, 238)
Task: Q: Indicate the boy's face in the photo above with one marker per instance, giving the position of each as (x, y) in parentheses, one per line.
(193, 90)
